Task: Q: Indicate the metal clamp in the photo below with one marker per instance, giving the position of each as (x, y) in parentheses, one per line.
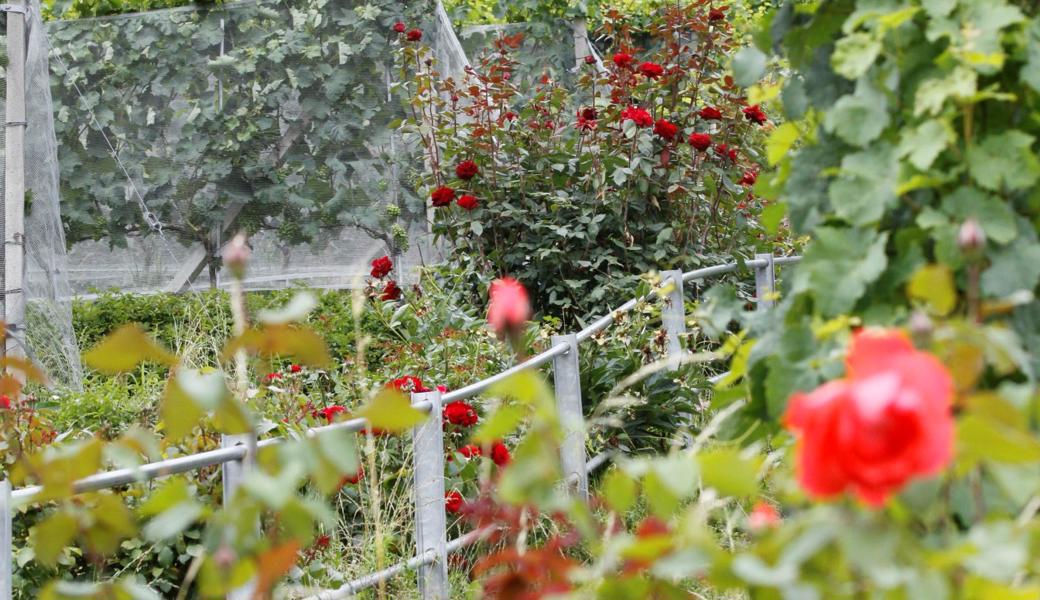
(15, 8)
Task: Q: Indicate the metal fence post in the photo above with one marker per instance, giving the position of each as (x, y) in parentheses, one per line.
(765, 282)
(431, 522)
(567, 381)
(232, 474)
(7, 550)
(673, 313)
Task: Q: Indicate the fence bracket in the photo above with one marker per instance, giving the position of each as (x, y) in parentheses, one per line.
(765, 282)
(431, 522)
(232, 474)
(673, 312)
(567, 381)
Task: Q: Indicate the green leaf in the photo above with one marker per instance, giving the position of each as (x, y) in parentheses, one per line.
(748, 66)
(52, 536)
(173, 520)
(933, 285)
(391, 411)
(1014, 268)
(858, 118)
(995, 216)
(960, 85)
(340, 449)
(1004, 160)
(925, 142)
(619, 491)
(854, 54)
(503, 422)
(866, 185)
(838, 266)
(979, 437)
(780, 142)
(728, 472)
(124, 349)
(297, 309)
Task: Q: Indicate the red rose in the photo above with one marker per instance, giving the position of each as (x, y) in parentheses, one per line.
(471, 450)
(399, 27)
(665, 129)
(754, 114)
(716, 15)
(888, 421)
(355, 477)
(414, 35)
(509, 307)
(460, 413)
(269, 377)
(710, 113)
(390, 291)
(466, 170)
(700, 141)
(330, 412)
(381, 267)
(588, 113)
(638, 116)
(295, 368)
(749, 178)
(590, 59)
(732, 154)
(5, 401)
(725, 151)
(500, 454)
(510, 116)
(375, 431)
(468, 202)
(408, 384)
(651, 70)
(453, 502)
(622, 59)
(442, 389)
(763, 516)
(442, 196)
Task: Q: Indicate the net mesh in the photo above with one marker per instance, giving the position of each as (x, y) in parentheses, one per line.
(48, 339)
(180, 127)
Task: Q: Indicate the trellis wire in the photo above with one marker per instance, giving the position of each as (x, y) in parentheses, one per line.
(431, 528)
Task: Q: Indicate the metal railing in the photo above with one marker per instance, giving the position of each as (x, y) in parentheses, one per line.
(432, 545)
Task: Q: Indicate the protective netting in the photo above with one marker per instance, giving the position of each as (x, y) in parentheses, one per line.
(179, 127)
(48, 336)
(544, 48)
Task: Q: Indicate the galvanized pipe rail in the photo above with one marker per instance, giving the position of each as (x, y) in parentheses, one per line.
(237, 452)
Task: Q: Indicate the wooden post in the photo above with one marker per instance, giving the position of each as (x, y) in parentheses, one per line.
(14, 180)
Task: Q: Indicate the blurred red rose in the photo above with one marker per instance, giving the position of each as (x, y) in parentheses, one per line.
(467, 201)
(414, 35)
(754, 114)
(453, 502)
(460, 413)
(509, 307)
(269, 377)
(622, 59)
(500, 454)
(330, 412)
(763, 516)
(716, 15)
(888, 421)
(471, 450)
(700, 141)
(408, 384)
(651, 70)
(381, 267)
(442, 196)
(638, 116)
(710, 113)
(399, 27)
(466, 170)
(665, 129)
(749, 178)
(390, 291)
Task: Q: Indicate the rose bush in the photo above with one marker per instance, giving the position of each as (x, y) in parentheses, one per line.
(583, 189)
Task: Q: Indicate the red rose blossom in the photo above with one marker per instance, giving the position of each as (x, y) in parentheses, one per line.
(466, 170)
(651, 70)
(273, 376)
(442, 196)
(408, 384)
(888, 421)
(665, 129)
(716, 15)
(399, 27)
(710, 113)
(749, 178)
(460, 413)
(700, 141)
(390, 291)
(414, 35)
(510, 116)
(509, 307)
(590, 59)
(622, 59)
(471, 450)
(381, 267)
(5, 401)
(330, 412)
(638, 116)
(500, 454)
(763, 516)
(588, 113)
(354, 477)
(467, 201)
(295, 368)
(453, 502)
(754, 114)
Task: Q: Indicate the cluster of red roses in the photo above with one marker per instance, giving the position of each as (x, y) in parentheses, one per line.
(381, 267)
(412, 35)
(443, 195)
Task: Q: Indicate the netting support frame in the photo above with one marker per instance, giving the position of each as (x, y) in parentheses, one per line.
(14, 177)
